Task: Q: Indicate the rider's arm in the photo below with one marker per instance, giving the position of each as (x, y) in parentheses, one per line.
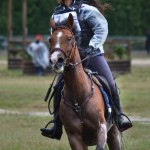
(97, 22)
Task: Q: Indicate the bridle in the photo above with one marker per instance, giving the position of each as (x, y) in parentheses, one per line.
(68, 61)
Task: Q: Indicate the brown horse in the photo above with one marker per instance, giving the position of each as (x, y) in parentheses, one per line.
(82, 105)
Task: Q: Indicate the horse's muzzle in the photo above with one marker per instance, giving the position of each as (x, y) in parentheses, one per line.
(57, 66)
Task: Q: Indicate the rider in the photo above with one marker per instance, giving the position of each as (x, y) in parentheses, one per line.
(92, 28)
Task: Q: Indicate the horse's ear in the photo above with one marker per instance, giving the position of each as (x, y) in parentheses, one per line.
(70, 21)
(52, 24)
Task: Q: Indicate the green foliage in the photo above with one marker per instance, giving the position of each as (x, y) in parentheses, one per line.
(3, 17)
(25, 55)
(39, 13)
(119, 51)
(128, 18)
(17, 17)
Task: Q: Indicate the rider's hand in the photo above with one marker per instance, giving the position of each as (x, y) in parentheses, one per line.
(89, 50)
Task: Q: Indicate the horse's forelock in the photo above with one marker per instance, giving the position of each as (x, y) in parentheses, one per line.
(62, 27)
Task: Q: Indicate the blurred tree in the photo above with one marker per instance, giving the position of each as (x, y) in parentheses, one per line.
(3, 17)
(39, 13)
(128, 18)
(17, 17)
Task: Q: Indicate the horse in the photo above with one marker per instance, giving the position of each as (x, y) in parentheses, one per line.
(82, 108)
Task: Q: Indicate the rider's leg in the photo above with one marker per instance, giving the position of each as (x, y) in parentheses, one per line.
(56, 131)
(99, 64)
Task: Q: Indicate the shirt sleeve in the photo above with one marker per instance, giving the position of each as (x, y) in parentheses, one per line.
(97, 22)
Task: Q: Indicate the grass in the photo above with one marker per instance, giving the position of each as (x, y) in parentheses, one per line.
(26, 93)
(137, 138)
(134, 91)
(22, 92)
(21, 132)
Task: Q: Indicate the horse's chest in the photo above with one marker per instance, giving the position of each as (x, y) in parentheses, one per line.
(86, 119)
(73, 123)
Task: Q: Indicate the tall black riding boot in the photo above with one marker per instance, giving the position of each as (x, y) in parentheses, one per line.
(121, 120)
(56, 131)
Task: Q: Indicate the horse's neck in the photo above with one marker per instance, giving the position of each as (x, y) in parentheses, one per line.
(73, 74)
(76, 79)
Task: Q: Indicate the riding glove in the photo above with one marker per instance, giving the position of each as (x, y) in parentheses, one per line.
(88, 51)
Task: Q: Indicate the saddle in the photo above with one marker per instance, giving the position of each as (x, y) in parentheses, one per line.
(104, 87)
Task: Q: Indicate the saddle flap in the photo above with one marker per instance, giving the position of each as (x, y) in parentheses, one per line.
(104, 87)
(99, 81)
(104, 84)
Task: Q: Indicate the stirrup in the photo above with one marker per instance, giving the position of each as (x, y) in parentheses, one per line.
(52, 121)
(45, 128)
(55, 134)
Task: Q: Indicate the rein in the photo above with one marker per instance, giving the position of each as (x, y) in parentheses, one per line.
(74, 65)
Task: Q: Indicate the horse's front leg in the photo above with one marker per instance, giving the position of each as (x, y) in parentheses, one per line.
(102, 136)
(76, 142)
(114, 139)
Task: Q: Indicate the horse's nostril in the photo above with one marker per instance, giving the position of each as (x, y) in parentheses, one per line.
(60, 60)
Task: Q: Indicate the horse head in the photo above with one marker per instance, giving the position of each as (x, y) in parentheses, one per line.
(62, 45)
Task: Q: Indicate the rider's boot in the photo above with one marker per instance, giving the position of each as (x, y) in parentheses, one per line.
(122, 121)
(56, 131)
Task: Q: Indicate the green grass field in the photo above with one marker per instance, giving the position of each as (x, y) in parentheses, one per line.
(21, 132)
(26, 93)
